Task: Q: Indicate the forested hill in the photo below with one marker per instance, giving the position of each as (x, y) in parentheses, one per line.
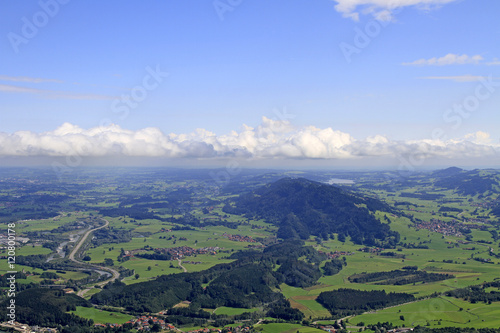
(472, 182)
(247, 282)
(302, 207)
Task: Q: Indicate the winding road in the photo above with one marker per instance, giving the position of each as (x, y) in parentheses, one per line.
(114, 274)
(180, 265)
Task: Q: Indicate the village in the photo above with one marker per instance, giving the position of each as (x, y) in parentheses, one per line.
(186, 251)
(143, 323)
(178, 252)
(336, 254)
(153, 323)
(239, 238)
(446, 228)
(452, 228)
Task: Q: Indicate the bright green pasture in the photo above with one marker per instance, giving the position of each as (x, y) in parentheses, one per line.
(42, 225)
(223, 310)
(48, 224)
(432, 311)
(101, 316)
(206, 260)
(285, 328)
(158, 267)
(209, 237)
(466, 271)
(31, 250)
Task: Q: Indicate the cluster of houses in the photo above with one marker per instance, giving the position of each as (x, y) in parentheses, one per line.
(239, 238)
(328, 328)
(179, 252)
(108, 325)
(442, 227)
(145, 323)
(186, 251)
(486, 204)
(452, 228)
(23, 328)
(374, 250)
(142, 323)
(336, 254)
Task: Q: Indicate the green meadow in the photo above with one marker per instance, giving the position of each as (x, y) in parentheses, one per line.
(285, 328)
(444, 253)
(102, 316)
(436, 312)
(439, 257)
(228, 311)
(201, 237)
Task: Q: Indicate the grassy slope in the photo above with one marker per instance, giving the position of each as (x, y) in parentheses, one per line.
(101, 316)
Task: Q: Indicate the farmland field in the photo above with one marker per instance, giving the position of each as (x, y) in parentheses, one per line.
(167, 227)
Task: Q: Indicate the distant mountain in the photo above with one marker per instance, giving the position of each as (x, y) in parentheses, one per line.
(302, 207)
(471, 182)
(452, 171)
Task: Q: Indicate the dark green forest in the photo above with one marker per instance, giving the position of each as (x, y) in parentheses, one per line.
(302, 207)
(345, 302)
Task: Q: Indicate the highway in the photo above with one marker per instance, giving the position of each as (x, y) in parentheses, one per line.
(114, 274)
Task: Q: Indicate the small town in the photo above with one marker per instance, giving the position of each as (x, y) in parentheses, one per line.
(336, 254)
(239, 238)
(146, 323)
(179, 252)
(143, 323)
(446, 228)
(186, 251)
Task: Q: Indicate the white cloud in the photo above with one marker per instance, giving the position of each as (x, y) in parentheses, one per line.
(459, 78)
(15, 89)
(53, 94)
(382, 9)
(479, 137)
(272, 139)
(449, 59)
(495, 62)
(27, 79)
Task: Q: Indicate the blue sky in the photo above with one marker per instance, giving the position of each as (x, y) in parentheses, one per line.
(342, 81)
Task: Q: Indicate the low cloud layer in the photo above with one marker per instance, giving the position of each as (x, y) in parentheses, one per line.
(272, 139)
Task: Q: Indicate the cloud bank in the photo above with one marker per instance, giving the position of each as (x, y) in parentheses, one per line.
(449, 59)
(272, 139)
(382, 9)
